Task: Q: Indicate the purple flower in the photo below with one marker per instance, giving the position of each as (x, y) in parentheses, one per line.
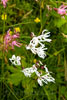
(10, 41)
(4, 2)
(15, 43)
(62, 10)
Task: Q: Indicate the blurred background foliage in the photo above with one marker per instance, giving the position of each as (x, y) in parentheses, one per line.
(22, 13)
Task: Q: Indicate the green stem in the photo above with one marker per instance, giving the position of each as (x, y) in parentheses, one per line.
(3, 51)
(3, 60)
(19, 24)
(65, 66)
(26, 37)
(4, 27)
(59, 93)
(55, 54)
(11, 91)
(40, 19)
(47, 94)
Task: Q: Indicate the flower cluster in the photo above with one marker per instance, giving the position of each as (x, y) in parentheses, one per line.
(62, 10)
(37, 45)
(10, 41)
(15, 60)
(41, 78)
(4, 3)
(28, 71)
(45, 78)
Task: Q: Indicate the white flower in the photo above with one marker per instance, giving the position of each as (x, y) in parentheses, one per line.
(28, 71)
(45, 78)
(41, 78)
(15, 60)
(36, 44)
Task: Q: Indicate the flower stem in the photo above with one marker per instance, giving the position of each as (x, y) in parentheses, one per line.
(3, 59)
(40, 18)
(47, 94)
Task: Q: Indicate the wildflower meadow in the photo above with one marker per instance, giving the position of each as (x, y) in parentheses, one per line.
(33, 49)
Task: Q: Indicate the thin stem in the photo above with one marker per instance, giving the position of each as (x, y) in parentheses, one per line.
(59, 94)
(26, 37)
(65, 66)
(3, 27)
(19, 24)
(3, 59)
(3, 51)
(47, 94)
(11, 91)
(55, 54)
(40, 18)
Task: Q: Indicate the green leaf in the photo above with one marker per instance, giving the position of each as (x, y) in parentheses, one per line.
(13, 69)
(15, 78)
(60, 22)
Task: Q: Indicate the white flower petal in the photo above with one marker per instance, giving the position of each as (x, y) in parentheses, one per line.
(18, 58)
(13, 57)
(39, 82)
(41, 78)
(15, 60)
(36, 44)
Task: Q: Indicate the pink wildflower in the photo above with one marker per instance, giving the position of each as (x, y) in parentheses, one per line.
(10, 41)
(15, 43)
(15, 35)
(4, 2)
(62, 10)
